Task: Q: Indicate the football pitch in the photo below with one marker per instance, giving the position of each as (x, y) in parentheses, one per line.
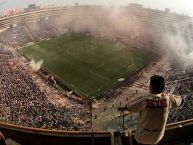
(86, 64)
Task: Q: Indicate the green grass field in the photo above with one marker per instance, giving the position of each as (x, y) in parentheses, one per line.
(86, 64)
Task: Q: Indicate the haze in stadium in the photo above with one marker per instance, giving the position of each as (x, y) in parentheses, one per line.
(179, 6)
(75, 62)
(70, 64)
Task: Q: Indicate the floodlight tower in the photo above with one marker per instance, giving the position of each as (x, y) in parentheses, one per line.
(75, 3)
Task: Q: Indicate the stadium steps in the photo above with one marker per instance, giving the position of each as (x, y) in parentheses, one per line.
(29, 32)
(17, 19)
(146, 16)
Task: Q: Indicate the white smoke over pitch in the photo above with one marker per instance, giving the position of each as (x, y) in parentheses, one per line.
(106, 22)
(119, 23)
(132, 28)
(178, 48)
(180, 45)
(35, 65)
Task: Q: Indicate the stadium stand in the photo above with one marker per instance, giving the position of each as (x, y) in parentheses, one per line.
(23, 97)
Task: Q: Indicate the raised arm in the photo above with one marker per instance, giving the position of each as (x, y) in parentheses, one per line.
(175, 101)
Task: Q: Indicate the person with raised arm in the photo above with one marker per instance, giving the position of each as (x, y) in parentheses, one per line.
(153, 112)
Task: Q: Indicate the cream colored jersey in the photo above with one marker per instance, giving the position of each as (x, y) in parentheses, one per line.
(153, 113)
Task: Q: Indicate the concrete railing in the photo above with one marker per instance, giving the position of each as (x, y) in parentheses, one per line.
(37, 136)
(175, 133)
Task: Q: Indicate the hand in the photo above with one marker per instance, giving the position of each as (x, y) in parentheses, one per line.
(2, 136)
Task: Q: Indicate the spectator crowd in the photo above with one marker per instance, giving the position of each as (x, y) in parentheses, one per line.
(25, 103)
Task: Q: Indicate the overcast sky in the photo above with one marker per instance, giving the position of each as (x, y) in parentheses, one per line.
(179, 6)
